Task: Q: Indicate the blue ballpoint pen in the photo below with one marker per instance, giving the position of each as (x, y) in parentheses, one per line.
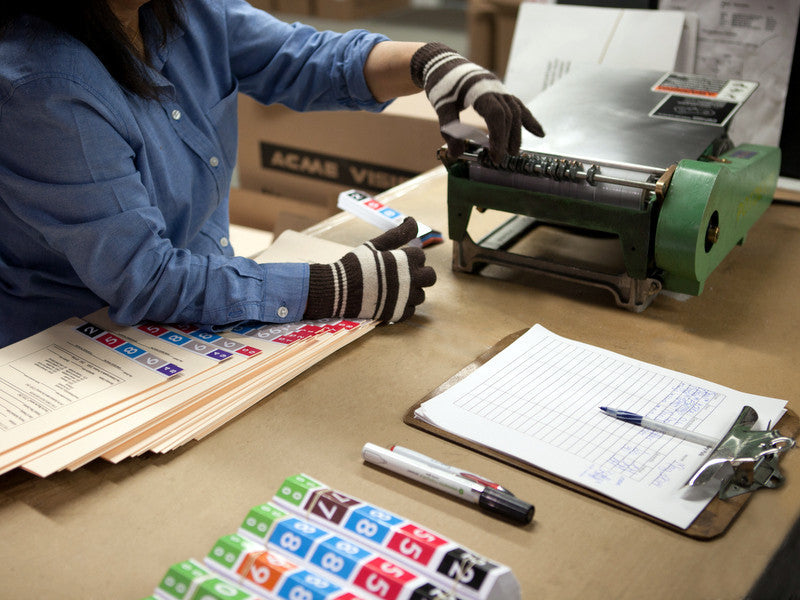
(684, 434)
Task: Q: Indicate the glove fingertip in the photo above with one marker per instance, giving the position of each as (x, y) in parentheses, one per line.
(531, 124)
(426, 277)
(409, 229)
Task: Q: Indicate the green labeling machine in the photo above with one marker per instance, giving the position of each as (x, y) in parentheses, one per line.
(638, 157)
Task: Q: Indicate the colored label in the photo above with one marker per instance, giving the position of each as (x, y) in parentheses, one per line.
(265, 569)
(333, 506)
(110, 340)
(371, 523)
(89, 330)
(415, 543)
(383, 578)
(206, 336)
(227, 551)
(177, 582)
(130, 350)
(260, 519)
(295, 536)
(466, 568)
(153, 329)
(294, 489)
(248, 351)
(390, 213)
(169, 370)
(305, 585)
(219, 589)
(338, 556)
(175, 338)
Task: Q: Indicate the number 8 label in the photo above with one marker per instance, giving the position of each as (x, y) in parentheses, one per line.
(371, 523)
(339, 557)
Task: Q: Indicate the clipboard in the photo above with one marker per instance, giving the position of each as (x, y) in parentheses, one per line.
(712, 522)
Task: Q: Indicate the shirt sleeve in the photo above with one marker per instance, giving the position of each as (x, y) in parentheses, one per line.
(296, 65)
(68, 171)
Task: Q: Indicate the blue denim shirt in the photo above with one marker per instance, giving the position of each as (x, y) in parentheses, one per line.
(111, 199)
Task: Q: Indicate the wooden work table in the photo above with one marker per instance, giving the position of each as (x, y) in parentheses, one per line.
(111, 531)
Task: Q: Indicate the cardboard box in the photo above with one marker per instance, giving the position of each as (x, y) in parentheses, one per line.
(490, 29)
(313, 156)
(356, 9)
(274, 213)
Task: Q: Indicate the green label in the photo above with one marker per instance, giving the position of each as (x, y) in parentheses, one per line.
(178, 580)
(296, 488)
(260, 519)
(219, 589)
(227, 550)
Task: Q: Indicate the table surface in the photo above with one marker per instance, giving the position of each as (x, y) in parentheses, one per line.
(111, 531)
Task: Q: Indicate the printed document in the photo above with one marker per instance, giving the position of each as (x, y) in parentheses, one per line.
(552, 40)
(752, 40)
(538, 400)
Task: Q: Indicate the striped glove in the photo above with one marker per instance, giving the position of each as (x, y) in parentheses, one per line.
(378, 280)
(452, 83)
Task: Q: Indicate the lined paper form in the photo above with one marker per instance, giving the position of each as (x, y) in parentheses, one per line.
(538, 400)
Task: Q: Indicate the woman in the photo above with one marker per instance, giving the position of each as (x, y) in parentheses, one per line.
(117, 143)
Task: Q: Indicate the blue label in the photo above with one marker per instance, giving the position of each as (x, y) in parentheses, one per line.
(206, 336)
(174, 338)
(390, 213)
(339, 556)
(129, 350)
(372, 523)
(295, 536)
(306, 586)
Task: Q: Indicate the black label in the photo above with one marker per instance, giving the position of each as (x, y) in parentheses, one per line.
(698, 110)
(464, 567)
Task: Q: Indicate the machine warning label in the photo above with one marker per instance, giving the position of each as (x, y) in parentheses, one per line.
(699, 86)
(698, 110)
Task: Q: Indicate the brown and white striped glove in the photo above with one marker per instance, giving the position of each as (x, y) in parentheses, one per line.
(380, 280)
(452, 83)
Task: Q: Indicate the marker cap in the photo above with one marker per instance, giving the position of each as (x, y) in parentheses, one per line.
(506, 505)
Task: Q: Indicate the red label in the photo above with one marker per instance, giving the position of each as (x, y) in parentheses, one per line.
(110, 340)
(155, 330)
(415, 543)
(382, 578)
(248, 351)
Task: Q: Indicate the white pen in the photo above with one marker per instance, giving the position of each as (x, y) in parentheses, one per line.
(432, 462)
(493, 500)
(678, 432)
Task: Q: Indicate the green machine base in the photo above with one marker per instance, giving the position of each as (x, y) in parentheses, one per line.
(681, 225)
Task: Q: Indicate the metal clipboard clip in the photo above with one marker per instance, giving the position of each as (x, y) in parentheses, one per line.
(745, 460)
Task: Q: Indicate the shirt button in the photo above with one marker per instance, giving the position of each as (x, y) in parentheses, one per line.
(213, 161)
(223, 241)
(283, 312)
(176, 114)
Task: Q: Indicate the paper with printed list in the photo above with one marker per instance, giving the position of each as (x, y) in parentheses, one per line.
(538, 400)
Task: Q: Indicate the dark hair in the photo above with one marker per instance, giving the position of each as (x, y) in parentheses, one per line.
(93, 23)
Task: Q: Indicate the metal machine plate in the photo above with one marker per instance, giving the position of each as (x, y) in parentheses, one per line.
(608, 120)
